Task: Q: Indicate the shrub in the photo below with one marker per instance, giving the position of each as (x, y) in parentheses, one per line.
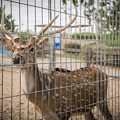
(88, 45)
(83, 36)
(24, 35)
(72, 45)
(111, 40)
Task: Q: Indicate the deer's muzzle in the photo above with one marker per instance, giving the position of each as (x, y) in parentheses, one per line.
(18, 59)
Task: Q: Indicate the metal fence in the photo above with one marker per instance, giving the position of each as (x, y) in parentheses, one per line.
(59, 68)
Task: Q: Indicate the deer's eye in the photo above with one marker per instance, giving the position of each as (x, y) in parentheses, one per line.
(32, 49)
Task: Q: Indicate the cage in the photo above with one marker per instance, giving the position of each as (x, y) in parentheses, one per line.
(59, 59)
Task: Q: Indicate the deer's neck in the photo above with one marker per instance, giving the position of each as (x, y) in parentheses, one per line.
(31, 79)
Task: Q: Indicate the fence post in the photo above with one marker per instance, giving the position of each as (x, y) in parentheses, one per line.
(89, 56)
(52, 58)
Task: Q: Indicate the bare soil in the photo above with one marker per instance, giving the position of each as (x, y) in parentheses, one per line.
(16, 106)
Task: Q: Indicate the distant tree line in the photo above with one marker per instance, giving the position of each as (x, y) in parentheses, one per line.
(107, 13)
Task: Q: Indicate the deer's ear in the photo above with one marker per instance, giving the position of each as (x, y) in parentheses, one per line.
(6, 44)
(41, 44)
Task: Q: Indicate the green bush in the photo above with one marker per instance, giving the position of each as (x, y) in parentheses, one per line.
(88, 45)
(111, 40)
(24, 35)
(72, 45)
(83, 36)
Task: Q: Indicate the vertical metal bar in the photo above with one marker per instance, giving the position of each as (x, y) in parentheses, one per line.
(28, 60)
(52, 64)
(11, 66)
(52, 40)
(20, 63)
(42, 57)
(71, 61)
(36, 65)
(97, 81)
(94, 80)
(75, 85)
(115, 56)
(101, 61)
(108, 57)
(2, 116)
(112, 65)
(80, 62)
(60, 71)
(84, 65)
(66, 58)
(118, 63)
(105, 69)
(109, 60)
(55, 65)
(90, 63)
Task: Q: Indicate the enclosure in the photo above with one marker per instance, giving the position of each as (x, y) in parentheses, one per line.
(59, 67)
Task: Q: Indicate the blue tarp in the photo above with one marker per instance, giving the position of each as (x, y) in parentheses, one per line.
(4, 51)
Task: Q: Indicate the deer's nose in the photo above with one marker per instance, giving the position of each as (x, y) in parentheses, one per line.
(17, 59)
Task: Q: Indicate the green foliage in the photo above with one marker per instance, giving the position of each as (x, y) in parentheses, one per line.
(8, 22)
(111, 40)
(108, 12)
(69, 56)
(72, 45)
(75, 2)
(83, 36)
(24, 35)
(88, 45)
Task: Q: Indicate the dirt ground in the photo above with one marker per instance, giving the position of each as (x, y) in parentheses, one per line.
(18, 107)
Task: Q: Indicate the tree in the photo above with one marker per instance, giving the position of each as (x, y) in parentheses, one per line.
(106, 12)
(75, 2)
(7, 21)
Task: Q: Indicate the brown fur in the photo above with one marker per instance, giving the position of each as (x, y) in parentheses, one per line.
(74, 91)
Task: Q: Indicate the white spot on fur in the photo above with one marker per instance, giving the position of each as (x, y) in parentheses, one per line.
(64, 97)
(44, 97)
(74, 76)
(68, 89)
(75, 95)
(53, 97)
(60, 109)
(69, 75)
(57, 95)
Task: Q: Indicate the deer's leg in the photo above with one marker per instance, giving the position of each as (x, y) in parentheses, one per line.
(104, 110)
(89, 116)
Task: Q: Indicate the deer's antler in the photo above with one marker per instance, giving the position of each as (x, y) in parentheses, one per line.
(6, 32)
(46, 27)
(56, 31)
(43, 31)
(32, 40)
(63, 28)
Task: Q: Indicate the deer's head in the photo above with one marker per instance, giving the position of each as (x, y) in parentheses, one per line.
(24, 50)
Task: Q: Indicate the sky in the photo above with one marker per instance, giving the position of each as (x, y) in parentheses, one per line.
(26, 16)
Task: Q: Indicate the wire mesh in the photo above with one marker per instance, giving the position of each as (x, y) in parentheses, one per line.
(73, 74)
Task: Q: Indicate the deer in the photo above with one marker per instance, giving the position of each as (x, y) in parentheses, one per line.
(68, 92)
